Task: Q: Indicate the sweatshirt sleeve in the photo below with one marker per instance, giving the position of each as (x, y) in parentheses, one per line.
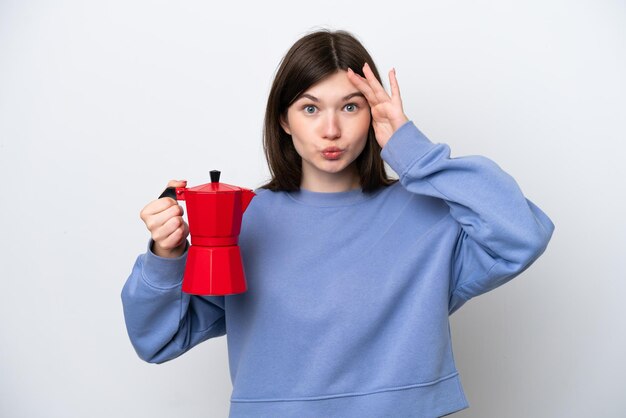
(501, 232)
(162, 321)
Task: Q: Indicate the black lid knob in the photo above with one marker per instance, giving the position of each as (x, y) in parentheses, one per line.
(215, 176)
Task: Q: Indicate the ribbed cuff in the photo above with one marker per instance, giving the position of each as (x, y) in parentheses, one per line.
(162, 272)
(407, 145)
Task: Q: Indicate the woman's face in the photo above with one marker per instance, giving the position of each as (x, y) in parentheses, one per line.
(332, 113)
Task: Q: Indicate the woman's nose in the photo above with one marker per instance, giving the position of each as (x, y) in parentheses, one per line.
(331, 126)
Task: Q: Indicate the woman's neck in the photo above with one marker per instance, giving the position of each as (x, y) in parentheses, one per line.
(332, 183)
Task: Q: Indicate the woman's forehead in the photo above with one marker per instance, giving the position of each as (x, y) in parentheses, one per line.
(337, 84)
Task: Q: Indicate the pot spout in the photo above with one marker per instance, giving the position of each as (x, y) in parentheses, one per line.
(246, 197)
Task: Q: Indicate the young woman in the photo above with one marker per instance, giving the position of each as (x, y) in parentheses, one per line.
(351, 275)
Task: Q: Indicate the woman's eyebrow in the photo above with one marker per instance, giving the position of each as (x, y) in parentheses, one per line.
(349, 96)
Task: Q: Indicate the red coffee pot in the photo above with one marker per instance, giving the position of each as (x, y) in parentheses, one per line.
(214, 212)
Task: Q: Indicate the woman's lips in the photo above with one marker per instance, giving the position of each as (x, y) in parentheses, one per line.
(332, 153)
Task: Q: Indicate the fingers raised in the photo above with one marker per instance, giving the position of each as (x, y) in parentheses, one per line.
(395, 88)
(363, 86)
(370, 86)
(378, 89)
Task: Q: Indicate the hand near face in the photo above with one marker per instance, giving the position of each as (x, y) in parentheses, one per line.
(387, 112)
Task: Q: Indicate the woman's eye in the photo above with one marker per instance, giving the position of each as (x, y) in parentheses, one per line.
(310, 109)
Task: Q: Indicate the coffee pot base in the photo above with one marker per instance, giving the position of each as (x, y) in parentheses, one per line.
(214, 271)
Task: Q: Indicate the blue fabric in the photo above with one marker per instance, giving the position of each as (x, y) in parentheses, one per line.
(349, 293)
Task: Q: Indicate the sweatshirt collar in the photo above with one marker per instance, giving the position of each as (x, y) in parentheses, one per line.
(328, 199)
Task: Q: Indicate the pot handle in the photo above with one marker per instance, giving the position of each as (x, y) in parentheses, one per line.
(169, 192)
(176, 193)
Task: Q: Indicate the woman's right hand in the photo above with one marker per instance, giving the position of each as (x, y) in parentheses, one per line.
(164, 219)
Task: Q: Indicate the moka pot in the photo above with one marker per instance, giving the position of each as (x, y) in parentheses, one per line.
(214, 212)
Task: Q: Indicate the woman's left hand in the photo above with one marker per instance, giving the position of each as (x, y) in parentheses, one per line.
(387, 112)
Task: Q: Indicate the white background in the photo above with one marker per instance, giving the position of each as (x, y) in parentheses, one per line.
(101, 103)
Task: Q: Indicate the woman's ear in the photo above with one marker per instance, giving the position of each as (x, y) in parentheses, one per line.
(285, 124)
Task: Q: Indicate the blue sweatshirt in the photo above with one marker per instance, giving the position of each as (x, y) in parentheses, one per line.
(349, 293)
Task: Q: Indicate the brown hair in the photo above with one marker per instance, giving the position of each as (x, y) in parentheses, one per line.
(312, 58)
